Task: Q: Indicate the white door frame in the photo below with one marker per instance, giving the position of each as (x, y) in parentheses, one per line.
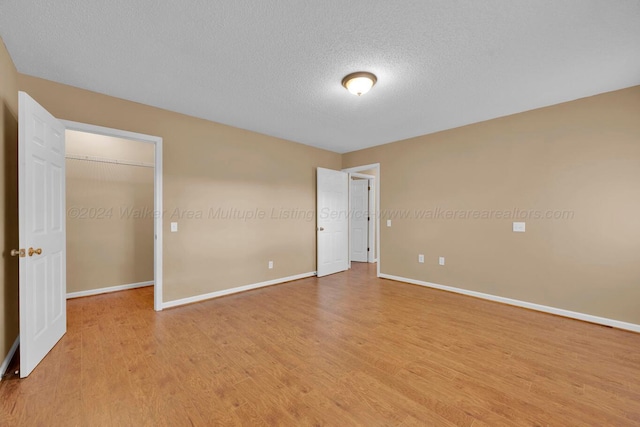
(354, 171)
(157, 196)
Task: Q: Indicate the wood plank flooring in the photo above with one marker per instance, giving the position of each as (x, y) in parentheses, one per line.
(345, 350)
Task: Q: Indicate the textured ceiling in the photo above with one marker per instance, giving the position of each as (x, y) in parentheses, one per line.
(275, 66)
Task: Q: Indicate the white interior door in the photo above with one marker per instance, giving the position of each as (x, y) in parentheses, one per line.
(332, 221)
(41, 205)
(372, 221)
(359, 207)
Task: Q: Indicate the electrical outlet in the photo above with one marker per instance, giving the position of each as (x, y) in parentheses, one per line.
(174, 227)
(270, 265)
(421, 258)
(388, 223)
(519, 227)
(441, 260)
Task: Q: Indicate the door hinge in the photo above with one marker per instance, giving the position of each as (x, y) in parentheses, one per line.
(367, 249)
(369, 188)
(368, 218)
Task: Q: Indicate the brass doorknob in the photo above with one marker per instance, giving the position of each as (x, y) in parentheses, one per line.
(35, 251)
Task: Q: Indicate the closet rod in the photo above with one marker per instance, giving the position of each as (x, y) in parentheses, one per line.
(105, 160)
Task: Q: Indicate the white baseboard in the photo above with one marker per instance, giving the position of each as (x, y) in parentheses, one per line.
(107, 290)
(7, 360)
(538, 307)
(222, 293)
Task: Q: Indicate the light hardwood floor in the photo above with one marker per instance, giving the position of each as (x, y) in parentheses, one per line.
(348, 349)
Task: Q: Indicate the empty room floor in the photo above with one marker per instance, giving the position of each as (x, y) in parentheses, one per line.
(348, 349)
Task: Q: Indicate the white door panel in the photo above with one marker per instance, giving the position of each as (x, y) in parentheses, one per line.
(359, 196)
(332, 221)
(41, 206)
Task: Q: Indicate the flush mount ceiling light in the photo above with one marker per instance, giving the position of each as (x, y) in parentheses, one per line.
(359, 83)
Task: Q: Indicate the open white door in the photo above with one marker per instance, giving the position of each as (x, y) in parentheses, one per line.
(41, 206)
(333, 221)
(359, 196)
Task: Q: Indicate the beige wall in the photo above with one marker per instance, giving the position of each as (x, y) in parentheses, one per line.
(209, 166)
(109, 213)
(9, 207)
(581, 156)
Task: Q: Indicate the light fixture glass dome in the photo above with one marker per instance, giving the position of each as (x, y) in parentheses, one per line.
(359, 83)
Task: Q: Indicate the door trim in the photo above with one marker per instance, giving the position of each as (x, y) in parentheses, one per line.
(157, 195)
(376, 167)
